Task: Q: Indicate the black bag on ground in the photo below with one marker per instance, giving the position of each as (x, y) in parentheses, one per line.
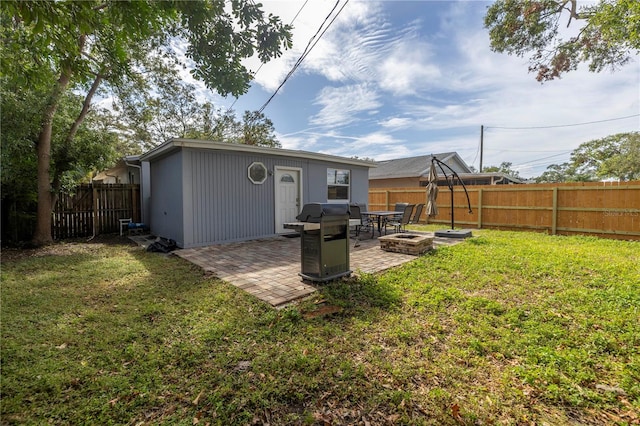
(162, 245)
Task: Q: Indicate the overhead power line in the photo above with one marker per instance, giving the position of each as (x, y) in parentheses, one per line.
(298, 13)
(562, 125)
(524, 150)
(310, 45)
(262, 63)
(541, 160)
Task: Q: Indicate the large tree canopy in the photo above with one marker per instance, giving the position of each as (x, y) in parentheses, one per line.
(97, 144)
(172, 110)
(88, 46)
(613, 157)
(607, 34)
(565, 172)
(504, 167)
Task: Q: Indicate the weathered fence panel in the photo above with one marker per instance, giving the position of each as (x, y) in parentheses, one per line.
(605, 209)
(95, 209)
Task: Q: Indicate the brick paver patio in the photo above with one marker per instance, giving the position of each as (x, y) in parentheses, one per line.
(268, 268)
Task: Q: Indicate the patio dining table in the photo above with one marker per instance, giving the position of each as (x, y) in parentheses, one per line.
(378, 215)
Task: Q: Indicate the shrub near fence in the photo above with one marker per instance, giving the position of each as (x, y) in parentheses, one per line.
(95, 209)
(605, 209)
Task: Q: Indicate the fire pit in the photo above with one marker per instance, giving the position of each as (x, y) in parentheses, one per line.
(408, 243)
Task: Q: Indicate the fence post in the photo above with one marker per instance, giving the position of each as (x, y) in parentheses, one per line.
(554, 219)
(386, 200)
(480, 208)
(608, 211)
(95, 209)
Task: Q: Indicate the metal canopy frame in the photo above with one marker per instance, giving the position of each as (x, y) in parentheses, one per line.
(450, 180)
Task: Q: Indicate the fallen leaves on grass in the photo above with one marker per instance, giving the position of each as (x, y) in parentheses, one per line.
(197, 400)
(455, 412)
(322, 311)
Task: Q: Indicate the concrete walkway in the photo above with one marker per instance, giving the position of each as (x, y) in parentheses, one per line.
(268, 268)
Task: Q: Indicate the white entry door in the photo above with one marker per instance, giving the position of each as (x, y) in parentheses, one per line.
(288, 192)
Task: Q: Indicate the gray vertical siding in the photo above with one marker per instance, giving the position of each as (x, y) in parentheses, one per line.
(316, 181)
(209, 198)
(145, 189)
(166, 216)
(360, 185)
(224, 205)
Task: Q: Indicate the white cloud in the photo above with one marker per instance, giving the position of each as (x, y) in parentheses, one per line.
(340, 105)
(377, 145)
(496, 90)
(336, 143)
(396, 123)
(370, 49)
(360, 46)
(359, 39)
(271, 74)
(437, 85)
(335, 60)
(375, 138)
(408, 69)
(304, 142)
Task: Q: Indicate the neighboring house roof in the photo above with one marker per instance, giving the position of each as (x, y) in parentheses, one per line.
(496, 177)
(132, 159)
(120, 169)
(416, 166)
(175, 144)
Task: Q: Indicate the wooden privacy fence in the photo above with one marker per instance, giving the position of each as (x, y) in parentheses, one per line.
(605, 209)
(95, 209)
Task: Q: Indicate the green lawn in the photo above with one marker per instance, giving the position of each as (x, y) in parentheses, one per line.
(506, 328)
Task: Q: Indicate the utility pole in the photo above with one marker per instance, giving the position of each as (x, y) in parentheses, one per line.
(481, 145)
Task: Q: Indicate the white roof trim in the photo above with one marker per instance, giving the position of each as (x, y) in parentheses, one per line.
(221, 146)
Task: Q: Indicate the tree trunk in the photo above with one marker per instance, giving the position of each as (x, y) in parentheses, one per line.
(57, 179)
(85, 108)
(42, 233)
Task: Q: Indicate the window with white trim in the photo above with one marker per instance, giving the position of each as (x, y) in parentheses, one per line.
(287, 178)
(338, 183)
(257, 173)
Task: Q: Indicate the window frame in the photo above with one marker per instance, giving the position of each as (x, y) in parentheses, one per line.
(264, 168)
(334, 176)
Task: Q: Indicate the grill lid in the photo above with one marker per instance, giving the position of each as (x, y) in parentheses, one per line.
(314, 212)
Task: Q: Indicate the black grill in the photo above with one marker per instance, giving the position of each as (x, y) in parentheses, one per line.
(314, 212)
(324, 231)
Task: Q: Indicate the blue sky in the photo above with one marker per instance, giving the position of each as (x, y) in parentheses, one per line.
(396, 79)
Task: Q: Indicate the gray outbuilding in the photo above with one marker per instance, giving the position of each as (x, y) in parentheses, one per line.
(202, 192)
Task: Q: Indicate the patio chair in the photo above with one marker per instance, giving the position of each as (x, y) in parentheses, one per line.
(400, 225)
(399, 207)
(417, 213)
(365, 222)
